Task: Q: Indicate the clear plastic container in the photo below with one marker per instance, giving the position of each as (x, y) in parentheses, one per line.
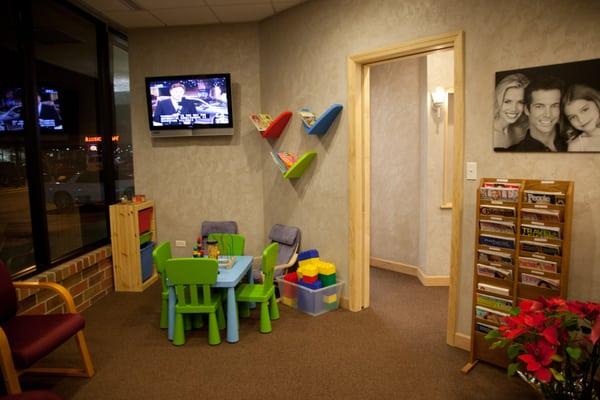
(313, 302)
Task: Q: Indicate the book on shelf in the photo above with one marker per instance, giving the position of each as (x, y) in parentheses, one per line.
(538, 264)
(496, 258)
(543, 215)
(491, 225)
(494, 272)
(550, 249)
(497, 303)
(497, 241)
(287, 158)
(540, 281)
(543, 197)
(490, 315)
(500, 184)
(485, 287)
(261, 121)
(536, 231)
(499, 194)
(278, 162)
(502, 211)
(484, 328)
(308, 117)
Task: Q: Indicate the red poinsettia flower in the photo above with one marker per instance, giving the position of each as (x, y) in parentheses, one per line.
(530, 305)
(537, 357)
(535, 320)
(595, 335)
(551, 334)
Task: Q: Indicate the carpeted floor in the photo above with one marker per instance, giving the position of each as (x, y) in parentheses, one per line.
(393, 350)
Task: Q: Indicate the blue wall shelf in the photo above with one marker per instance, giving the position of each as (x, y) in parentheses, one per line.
(322, 124)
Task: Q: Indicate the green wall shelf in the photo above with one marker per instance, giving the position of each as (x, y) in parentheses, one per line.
(300, 166)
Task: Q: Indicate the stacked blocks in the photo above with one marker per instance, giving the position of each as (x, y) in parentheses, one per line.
(289, 293)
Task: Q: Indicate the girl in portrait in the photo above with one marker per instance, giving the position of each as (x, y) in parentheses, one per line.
(582, 112)
(510, 125)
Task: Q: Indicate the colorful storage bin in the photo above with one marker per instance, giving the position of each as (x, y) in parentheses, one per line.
(311, 301)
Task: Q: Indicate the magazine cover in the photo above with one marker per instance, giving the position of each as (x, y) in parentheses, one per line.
(494, 272)
(547, 232)
(537, 247)
(499, 194)
(308, 118)
(261, 121)
(540, 281)
(511, 185)
(540, 197)
(537, 264)
(493, 289)
(494, 302)
(494, 257)
(502, 211)
(544, 215)
(490, 315)
(497, 241)
(487, 225)
(278, 162)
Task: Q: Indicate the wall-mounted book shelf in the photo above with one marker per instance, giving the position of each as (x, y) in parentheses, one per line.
(522, 249)
(314, 125)
(292, 167)
(269, 127)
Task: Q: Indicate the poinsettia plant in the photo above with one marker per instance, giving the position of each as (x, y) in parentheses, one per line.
(555, 344)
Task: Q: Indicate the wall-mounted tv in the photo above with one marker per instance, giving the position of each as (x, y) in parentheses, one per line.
(48, 110)
(190, 105)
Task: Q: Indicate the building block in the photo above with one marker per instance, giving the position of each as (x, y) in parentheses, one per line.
(328, 280)
(326, 268)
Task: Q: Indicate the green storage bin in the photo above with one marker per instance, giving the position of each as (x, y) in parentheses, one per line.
(145, 237)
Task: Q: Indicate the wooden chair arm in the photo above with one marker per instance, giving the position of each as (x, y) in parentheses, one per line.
(59, 289)
(289, 264)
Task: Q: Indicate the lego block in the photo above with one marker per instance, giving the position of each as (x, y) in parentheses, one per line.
(327, 280)
(332, 298)
(307, 254)
(309, 270)
(289, 301)
(326, 268)
(310, 279)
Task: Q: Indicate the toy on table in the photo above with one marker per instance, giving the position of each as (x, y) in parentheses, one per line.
(212, 249)
(197, 250)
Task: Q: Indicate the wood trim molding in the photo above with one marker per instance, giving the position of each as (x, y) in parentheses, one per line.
(462, 341)
(426, 280)
(359, 165)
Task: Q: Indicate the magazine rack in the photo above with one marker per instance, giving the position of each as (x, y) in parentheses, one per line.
(277, 126)
(323, 123)
(296, 170)
(522, 250)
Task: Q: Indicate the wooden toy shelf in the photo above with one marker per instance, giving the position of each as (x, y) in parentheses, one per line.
(276, 127)
(125, 237)
(296, 170)
(522, 249)
(322, 124)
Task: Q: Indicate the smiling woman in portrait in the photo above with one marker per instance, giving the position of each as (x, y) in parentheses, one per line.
(582, 111)
(510, 125)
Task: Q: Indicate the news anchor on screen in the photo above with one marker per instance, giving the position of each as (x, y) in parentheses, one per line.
(169, 110)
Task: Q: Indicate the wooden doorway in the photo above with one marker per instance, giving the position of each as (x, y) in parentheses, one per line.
(359, 164)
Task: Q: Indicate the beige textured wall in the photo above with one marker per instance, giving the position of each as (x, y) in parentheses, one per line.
(395, 148)
(200, 178)
(303, 63)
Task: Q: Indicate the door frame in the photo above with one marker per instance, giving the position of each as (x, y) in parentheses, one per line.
(359, 165)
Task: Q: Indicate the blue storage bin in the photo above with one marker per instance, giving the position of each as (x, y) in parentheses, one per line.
(146, 256)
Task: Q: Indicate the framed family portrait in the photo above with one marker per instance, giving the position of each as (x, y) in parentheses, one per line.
(552, 108)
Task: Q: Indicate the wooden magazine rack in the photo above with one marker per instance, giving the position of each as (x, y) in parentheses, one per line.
(522, 251)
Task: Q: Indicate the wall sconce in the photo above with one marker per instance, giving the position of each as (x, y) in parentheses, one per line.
(438, 99)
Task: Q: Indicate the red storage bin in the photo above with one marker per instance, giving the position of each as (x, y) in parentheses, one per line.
(145, 219)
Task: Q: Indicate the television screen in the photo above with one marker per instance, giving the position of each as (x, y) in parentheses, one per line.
(189, 102)
(48, 109)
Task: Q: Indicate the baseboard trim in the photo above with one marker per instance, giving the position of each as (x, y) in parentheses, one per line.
(426, 280)
(462, 341)
(344, 303)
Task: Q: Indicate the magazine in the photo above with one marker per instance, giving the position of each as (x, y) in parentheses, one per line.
(494, 272)
(537, 264)
(499, 194)
(493, 289)
(484, 328)
(490, 225)
(547, 232)
(287, 158)
(537, 247)
(511, 185)
(503, 211)
(308, 118)
(496, 258)
(494, 302)
(497, 241)
(278, 162)
(541, 197)
(536, 214)
(261, 121)
(488, 314)
(540, 281)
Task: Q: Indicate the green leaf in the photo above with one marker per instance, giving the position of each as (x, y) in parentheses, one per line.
(515, 311)
(557, 375)
(492, 335)
(498, 344)
(574, 352)
(512, 369)
(557, 358)
(513, 350)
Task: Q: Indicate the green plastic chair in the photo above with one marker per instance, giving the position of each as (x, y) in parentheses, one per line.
(160, 255)
(230, 244)
(192, 278)
(261, 293)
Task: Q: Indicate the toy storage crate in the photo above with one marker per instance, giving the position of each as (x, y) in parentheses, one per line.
(313, 302)
(146, 257)
(145, 219)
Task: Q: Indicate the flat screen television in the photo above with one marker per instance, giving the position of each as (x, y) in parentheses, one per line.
(49, 109)
(189, 105)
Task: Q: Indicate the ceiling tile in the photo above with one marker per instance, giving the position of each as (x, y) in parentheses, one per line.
(134, 19)
(155, 4)
(186, 16)
(243, 13)
(107, 5)
(281, 5)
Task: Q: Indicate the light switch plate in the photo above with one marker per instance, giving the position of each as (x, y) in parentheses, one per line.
(180, 243)
(471, 171)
